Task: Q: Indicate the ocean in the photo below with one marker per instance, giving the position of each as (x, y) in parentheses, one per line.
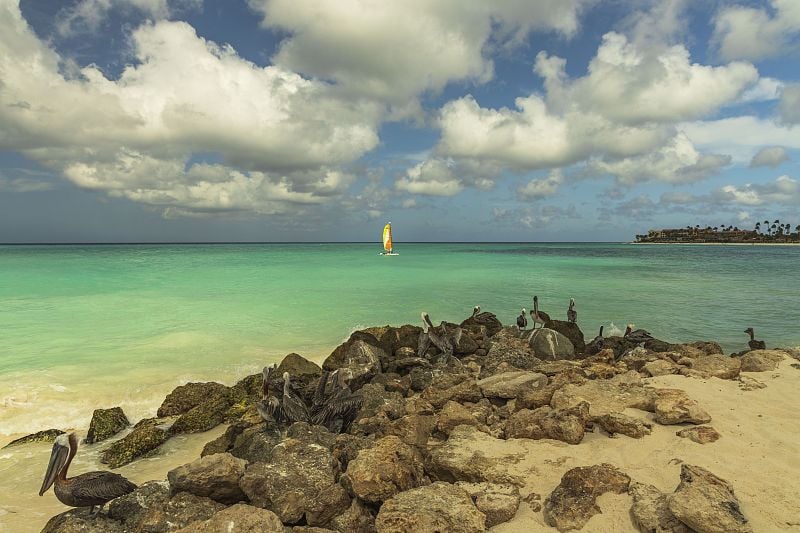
(88, 326)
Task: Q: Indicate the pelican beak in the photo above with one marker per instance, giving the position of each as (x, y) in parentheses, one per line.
(58, 458)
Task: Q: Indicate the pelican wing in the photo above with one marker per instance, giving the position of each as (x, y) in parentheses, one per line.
(99, 487)
(423, 344)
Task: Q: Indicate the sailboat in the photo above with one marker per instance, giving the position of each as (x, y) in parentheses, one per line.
(387, 240)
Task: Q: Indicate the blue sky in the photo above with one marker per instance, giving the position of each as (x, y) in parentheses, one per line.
(317, 120)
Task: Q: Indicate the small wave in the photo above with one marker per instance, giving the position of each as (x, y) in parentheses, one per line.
(614, 331)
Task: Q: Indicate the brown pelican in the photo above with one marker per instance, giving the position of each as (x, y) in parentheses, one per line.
(269, 407)
(294, 408)
(522, 320)
(86, 490)
(572, 314)
(335, 405)
(424, 340)
(754, 344)
(538, 317)
(439, 339)
(637, 336)
(485, 319)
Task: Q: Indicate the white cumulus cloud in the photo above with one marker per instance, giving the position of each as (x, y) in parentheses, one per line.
(743, 32)
(771, 156)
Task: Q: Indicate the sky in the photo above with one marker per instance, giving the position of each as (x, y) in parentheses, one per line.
(320, 120)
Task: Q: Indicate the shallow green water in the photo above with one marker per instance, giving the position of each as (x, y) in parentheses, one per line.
(89, 326)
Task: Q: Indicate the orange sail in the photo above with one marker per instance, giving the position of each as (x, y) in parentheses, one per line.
(387, 237)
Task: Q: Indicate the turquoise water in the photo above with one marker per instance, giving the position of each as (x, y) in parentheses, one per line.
(90, 326)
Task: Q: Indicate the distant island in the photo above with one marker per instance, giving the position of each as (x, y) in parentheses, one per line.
(775, 232)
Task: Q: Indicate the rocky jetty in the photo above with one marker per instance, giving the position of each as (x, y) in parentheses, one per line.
(438, 441)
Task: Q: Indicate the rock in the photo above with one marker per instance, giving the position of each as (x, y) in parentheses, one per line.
(292, 481)
(106, 423)
(747, 383)
(705, 502)
(572, 503)
(145, 438)
(239, 518)
(431, 509)
(359, 357)
(414, 429)
(699, 434)
(79, 521)
(454, 414)
(507, 347)
(718, 366)
(706, 347)
(607, 395)
(378, 407)
(248, 390)
(224, 442)
(347, 447)
(356, 519)
(571, 331)
(614, 423)
(761, 360)
(214, 476)
(255, 444)
(331, 501)
(310, 434)
(204, 416)
(389, 467)
(464, 458)
(299, 368)
(498, 502)
(673, 406)
(550, 345)
(393, 339)
(511, 384)
(660, 367)
(185, 397)
(487, 323)
(149, 508)
(465, 345)
(566, 425)
(48, 435)
(650, 511)
(638, 357)
(455, 387)
(657, 346)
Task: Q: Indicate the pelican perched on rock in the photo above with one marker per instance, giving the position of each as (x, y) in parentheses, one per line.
(335, 405)
(86, 490)
(522, 320)
(637, 336)
(754, 344)
(294, 408)
(483, 319)
(572, 314)
(538, 317)
(269, 407)
(439, 339)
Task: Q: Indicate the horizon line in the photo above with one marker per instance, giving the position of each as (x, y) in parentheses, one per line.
(377, 243)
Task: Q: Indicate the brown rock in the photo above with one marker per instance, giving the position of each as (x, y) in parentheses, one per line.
(511, 384)
(498, 502)
(718, 366)
(239, 518)
(673, 406)
(77, 521)
(650, 511)
(699, 434)
(706, 503)
(356, 519)
(608, 395)
(106, 423)
(614, 423)
(761, 360)
(380, 472)
(413, 429)
(185, 397)
(431, 509)
(566, 425)
(145, 438)
(454, 414)
(660, 367)
(214, 476)
(359, 357)
(572, 503)
(459, 388)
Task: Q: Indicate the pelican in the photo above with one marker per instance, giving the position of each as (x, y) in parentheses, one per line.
(636, 336)
(424, 339)
(572, 314)
(538, 317)
(485, 319)
(441, 341)
(269, 407)
(596, 344)
(335, 405)
(294, 408)
(754, 344)
(86, 490)
(522, 320)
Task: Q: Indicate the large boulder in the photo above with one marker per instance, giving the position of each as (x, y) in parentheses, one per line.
(650, 512)
(497, 501)
(239, 518)
(290, 484)
(508, 348)
(511, 384)
(567, 425)
(573, 502)
(706, 503)
(358, 518)
(150, 508)
(359, 358)
(550, 345)
(623, 424)
(78, 521)
(431, 509)
(761, 360)
(204, 416)
(302, 372)
(453, 415)
(718, 366)
(146, 437)
(47, 435)
(215, 476)
(413, 429)
(571, 331)
(392, 339)
(106, 423)
(456, 387)
(673, 406)
(254, 444)
(389, 467)
(607, 395)
(185, 397)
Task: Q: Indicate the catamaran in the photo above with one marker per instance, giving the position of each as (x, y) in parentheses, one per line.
(387, 240)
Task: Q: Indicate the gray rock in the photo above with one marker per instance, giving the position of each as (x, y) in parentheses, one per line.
(550, 345)
(214, 476)
(570, 331)
(511, 384)
(507, 347)
(706, 503)
(79, 521)
(106, 423)
(359, 358)
(254, 444)
(431, 509)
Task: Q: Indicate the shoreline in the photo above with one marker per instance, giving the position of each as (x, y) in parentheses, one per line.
(721, 243)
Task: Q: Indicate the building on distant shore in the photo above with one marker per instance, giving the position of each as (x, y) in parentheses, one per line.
(719, 235)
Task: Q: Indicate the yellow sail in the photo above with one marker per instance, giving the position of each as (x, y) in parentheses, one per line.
(387, 237)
